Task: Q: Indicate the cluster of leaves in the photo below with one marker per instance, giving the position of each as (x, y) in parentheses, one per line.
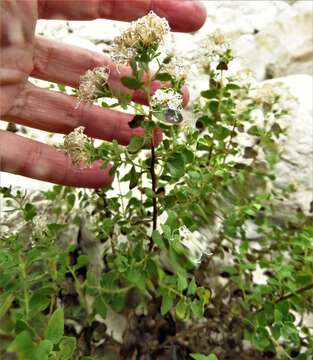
(199, 178)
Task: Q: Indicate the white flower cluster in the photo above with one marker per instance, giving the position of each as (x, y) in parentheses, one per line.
(212, 49)
(176, 67)
(92, 84)
(274, 94)
(148, 31)
(245, 77)
(167, 98)
(75, 146)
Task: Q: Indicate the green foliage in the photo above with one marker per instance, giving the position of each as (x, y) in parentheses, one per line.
(175, 225)
(203, 357)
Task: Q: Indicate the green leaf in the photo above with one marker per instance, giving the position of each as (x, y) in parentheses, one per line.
(213, 105)
(136, 121)
(221, 132)
(22, 345)
(181, 309)
(71, 200)
(55, 328)
(182, 283)
(131, 82)
(192, 288)
(232, 86)
(67, 347)
(163, 77)
(38, 302)
(21, 326)
(136, 143)
(134, 177)
(43, 350)
(6, 304)
(210, 94)
(250, 153)
(203, 357)
(54, 228)
(176, 165)
(136, 277)
(157, 238)
(166, 231)
(82, 261)
(100, 307)
(197, 308)
(167, 303)
(29, 211)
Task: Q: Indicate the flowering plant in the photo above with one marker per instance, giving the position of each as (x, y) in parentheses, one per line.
(168, 246)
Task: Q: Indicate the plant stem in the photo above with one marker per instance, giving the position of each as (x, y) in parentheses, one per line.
(152, 169)
(154, 200)
(25, 290)
(289, 295)
(297, 292)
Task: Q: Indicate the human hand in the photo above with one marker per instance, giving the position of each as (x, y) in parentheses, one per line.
(24, 55)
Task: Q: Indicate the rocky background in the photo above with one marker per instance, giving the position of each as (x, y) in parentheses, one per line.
(272, 38)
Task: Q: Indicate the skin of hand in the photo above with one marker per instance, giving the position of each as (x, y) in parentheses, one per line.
(23, 55)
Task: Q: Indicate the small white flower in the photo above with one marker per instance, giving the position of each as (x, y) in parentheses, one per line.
(75, 146)
(176, 67)
(212, 49)
(195, 243)
(274, 95)
(93, 83)
(167, 98)
(148, 31)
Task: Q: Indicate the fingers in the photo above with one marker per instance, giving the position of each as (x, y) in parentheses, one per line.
(56, 112)
(61, 63)
(43, 162)
(184, 16)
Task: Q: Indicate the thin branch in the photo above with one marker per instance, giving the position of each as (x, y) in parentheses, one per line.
(297, 292)
(290, 295)
(154, 185)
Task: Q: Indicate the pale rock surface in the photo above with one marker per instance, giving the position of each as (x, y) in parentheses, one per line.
(296, 166)
(273, 37)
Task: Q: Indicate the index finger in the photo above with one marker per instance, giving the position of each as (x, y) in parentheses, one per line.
(182, 15)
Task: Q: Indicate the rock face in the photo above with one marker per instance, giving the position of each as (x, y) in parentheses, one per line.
(296, 165)
(273, 38)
